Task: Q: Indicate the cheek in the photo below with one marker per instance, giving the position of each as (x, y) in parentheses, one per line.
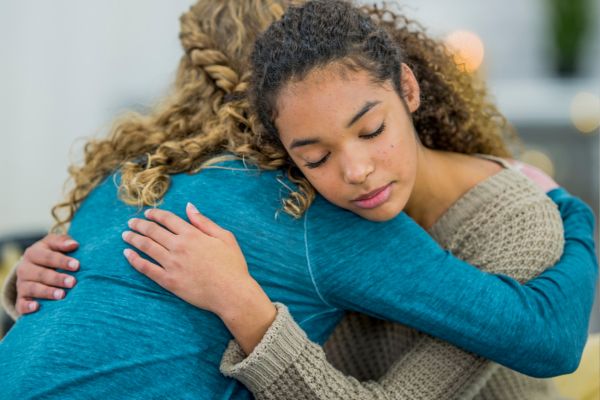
(398, 157)
(389, 154)
(326, 184)
(320, 179)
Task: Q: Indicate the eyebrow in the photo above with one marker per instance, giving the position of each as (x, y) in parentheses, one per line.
(365, 109)
(368, 105)
(303, 142)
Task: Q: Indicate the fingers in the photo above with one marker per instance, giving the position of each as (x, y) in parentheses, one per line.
(43, 275)
(60, 242)
(146, 245)
(30, 289)
(151, 270)
(204, 223)
(40, 255)
(167, 219)
(26, 306)
(152, 230)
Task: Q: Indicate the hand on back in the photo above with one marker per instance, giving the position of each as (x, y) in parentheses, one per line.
(37, 275)
(200, 262)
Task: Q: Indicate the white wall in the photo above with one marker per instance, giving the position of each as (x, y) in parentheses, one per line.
(67, 68)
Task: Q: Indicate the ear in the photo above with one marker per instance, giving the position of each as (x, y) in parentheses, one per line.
(410, 88)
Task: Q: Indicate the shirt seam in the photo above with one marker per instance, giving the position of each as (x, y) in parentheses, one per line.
(309, 264)
(314, 316)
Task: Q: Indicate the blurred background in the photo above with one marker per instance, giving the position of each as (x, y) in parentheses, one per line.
(69, 67)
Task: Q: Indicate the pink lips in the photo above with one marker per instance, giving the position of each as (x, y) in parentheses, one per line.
(375, 198)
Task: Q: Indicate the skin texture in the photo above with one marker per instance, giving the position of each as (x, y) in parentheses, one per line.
(353, 162)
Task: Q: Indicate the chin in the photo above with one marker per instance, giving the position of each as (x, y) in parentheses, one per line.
(380, 218)
(379, 215)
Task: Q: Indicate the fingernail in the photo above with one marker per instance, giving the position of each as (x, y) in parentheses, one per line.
(73, 264)
(69, 281)
(192, 208)
(58, 294)
(127, 253)
(32, 306)
(70, 243)
(147, 213)
(130, 223)
(125, 234)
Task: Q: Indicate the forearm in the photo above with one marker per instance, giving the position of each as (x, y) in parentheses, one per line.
(248, 315)
(9, 293)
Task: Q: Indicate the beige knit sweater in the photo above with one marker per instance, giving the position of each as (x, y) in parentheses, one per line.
(504, 225)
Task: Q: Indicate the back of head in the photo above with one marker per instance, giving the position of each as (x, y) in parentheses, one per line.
(204, 115)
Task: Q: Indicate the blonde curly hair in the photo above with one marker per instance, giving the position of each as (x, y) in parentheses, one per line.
(208, 115)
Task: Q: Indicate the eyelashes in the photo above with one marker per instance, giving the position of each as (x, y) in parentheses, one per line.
(376, 133)
(318, 163)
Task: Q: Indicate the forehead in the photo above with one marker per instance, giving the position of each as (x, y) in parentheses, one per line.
(325, 97)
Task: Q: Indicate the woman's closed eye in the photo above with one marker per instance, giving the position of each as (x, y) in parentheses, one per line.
(372, 135)
(376, 133)
(317, 163)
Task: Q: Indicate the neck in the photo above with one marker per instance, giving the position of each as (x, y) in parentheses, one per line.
(437, 186)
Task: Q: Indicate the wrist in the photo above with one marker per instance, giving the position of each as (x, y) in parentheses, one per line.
(248, 315)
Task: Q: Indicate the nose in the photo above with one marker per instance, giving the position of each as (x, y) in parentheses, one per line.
(356, 169)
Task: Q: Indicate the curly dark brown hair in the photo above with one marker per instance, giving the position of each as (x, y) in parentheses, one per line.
(455, 113)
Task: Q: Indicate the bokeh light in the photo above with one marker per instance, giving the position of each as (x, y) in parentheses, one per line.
(585, 112)
(467, 48)
(539, 159)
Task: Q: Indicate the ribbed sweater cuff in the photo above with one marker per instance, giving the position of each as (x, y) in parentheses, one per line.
(279, 348)
(9, 293)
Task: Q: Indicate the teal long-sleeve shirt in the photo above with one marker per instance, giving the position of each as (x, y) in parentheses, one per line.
(117, 334)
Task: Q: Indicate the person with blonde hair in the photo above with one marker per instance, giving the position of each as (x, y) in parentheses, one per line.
(118, 333)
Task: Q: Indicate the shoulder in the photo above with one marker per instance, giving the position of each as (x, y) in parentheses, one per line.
(506, 225)
(513, 198)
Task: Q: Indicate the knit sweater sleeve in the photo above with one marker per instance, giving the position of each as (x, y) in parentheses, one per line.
(287, 364)
(9, 293)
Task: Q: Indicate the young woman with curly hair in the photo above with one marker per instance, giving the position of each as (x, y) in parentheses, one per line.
(340, 94)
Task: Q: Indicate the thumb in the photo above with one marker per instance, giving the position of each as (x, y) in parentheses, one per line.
(202, 222)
